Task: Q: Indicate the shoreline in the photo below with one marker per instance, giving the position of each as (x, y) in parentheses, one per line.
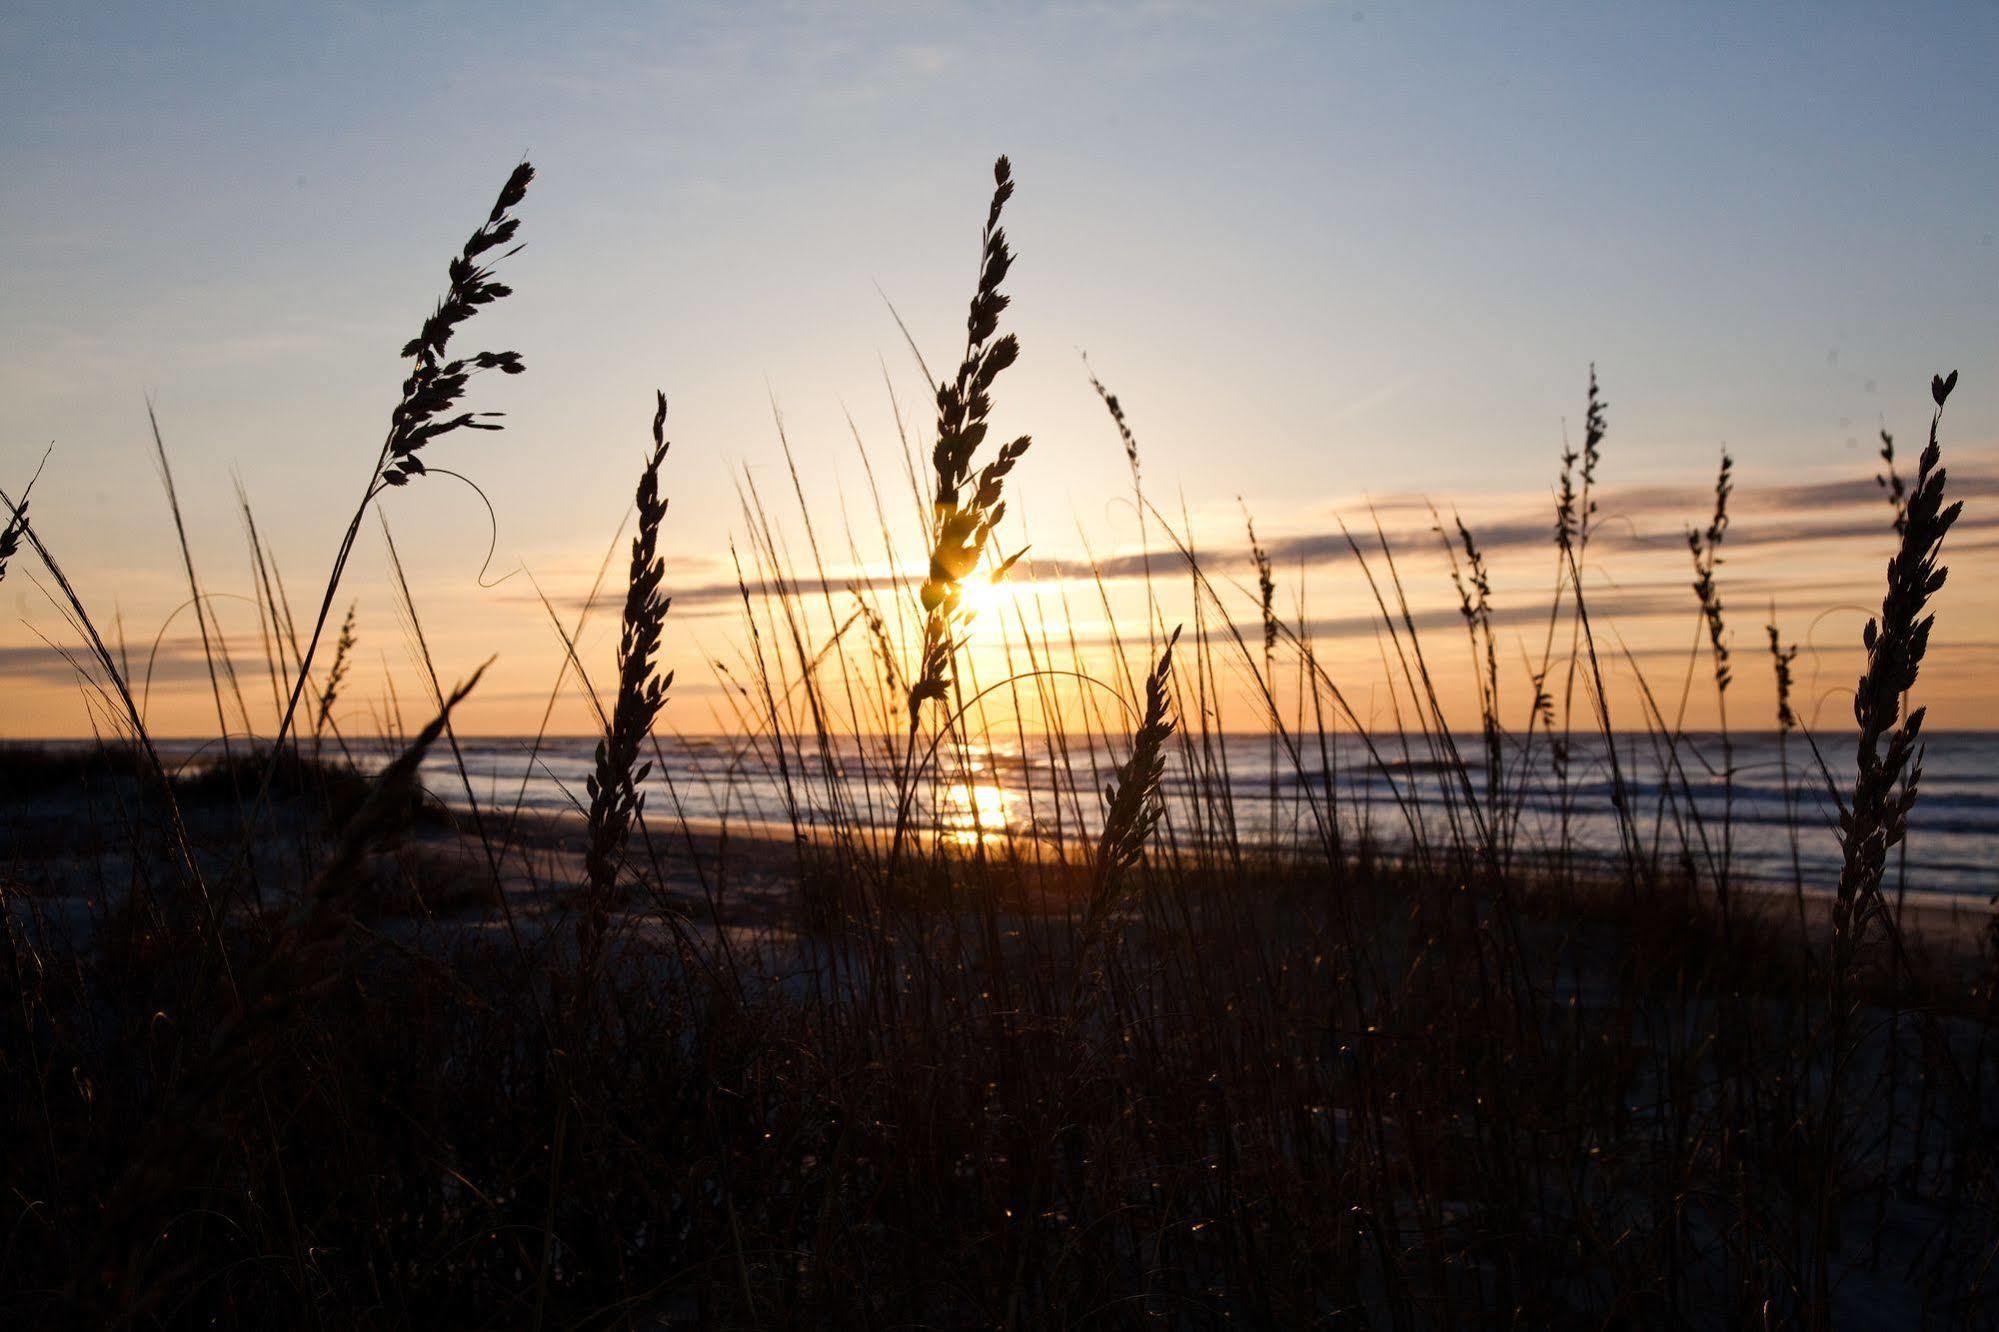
(1951, 924)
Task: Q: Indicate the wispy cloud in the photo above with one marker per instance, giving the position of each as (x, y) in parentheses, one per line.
(175, 662)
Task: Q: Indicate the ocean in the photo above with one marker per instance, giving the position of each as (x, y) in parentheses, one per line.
(1681, 802)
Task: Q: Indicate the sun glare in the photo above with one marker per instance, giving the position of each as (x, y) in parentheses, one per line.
(973, 810)
(981, 597)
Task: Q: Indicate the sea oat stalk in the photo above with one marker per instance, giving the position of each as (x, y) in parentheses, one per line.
(1782, 659)
(615, 798)
(336, 674)
(432, 389)
(17, 519)
(1474, 588)
(962, 523)
(10, 536)
(1705, 546)
(1896, 643)
(1132, 805)
(1884, 790)
(1890, 480)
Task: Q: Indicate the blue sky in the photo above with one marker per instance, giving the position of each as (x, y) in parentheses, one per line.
(1323, 251)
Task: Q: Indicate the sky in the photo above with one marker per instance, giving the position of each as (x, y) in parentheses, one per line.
(1338, 260)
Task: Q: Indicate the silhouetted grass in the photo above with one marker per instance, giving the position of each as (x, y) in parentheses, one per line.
(1135, 1059)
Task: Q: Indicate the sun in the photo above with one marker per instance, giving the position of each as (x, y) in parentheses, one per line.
(980, 597)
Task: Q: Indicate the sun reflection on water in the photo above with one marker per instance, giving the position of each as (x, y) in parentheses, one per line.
(975, 809)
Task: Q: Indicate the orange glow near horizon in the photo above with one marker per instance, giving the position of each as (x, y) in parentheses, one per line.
(1819, 563)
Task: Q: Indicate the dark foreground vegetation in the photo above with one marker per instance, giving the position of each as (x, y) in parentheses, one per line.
(285, 1047)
